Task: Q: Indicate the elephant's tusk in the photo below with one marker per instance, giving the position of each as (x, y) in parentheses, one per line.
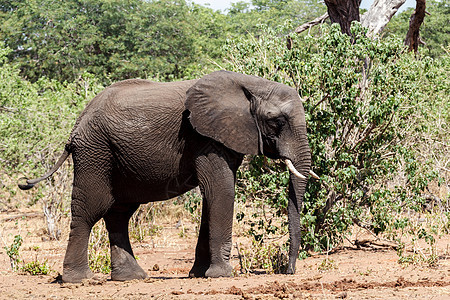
(294, 171)
(314, 175)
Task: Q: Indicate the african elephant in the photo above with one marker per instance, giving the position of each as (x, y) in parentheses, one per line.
(140, 141)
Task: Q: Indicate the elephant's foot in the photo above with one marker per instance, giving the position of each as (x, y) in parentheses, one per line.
(291, 265)
(125, 267)
(76, 276)
(198, 270)
(290, 270)
(128, 273)
(219, 270)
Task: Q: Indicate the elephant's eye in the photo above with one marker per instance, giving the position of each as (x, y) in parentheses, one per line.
(276, 124)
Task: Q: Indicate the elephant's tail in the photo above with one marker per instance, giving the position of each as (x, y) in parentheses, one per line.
(32, 182)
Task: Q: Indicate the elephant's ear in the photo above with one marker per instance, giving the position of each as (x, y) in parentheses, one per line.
(219, 105)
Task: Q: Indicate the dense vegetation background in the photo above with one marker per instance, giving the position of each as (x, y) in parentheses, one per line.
(378, 116)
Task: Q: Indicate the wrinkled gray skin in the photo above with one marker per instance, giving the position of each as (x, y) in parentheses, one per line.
(140, 141)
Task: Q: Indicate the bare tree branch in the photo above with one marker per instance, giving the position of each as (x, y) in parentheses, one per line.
(312, 23)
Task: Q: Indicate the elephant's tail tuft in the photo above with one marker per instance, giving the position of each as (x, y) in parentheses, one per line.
(29, 183)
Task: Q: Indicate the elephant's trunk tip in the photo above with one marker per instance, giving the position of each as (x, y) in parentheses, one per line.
(27, 184)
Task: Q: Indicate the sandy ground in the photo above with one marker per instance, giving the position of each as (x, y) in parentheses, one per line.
(373, 273)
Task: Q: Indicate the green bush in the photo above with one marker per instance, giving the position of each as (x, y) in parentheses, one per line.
(36, 268)
(13, 252)
(369, 107)
(99, 250)
(113, 39)
(35, 121)
(269, 257)
(36, 118)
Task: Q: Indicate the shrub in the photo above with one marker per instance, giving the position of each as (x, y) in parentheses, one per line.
(269, 257)
(36, 268)
(13, 252)
(368, 108)
(99, 253)
(35, 122)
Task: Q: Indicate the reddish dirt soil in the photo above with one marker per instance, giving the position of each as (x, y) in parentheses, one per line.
(351, 273)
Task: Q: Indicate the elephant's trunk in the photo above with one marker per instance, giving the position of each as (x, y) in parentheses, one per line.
(297, 185)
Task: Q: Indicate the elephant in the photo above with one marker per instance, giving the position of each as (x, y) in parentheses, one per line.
(140, 141)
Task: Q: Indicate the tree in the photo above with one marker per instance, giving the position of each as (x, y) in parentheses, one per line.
(375, 19)
(379, 15)
(434, 30)
(244, 17)
(113, 39)
(366, 136)
(412, 36)
(343, 12)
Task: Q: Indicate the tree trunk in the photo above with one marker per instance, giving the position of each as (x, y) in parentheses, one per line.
(412, 37)
(343, 12)
(375, 19)
(379, 14)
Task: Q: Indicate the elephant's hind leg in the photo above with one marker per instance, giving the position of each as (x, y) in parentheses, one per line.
(85, 213)
(123, 264)
(91, 199)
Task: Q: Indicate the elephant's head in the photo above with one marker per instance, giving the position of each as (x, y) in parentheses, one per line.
(252, 115)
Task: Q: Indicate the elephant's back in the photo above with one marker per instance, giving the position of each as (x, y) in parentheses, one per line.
(142, 106)
(130, 99)
(142, 93)
(142, 126)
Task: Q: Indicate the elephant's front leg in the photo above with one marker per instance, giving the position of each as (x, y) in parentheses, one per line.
(216, 177)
